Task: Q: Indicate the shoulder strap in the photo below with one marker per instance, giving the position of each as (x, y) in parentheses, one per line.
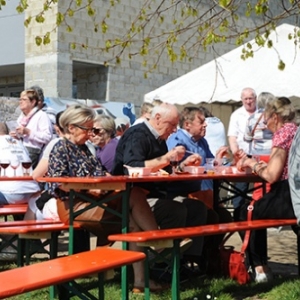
(247, 232)
(258, 120)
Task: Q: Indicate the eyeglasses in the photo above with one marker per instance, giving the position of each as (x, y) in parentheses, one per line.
(265, 121)
(83, 128)
(98, 130)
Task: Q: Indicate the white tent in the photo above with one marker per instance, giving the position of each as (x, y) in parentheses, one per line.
(223, 79)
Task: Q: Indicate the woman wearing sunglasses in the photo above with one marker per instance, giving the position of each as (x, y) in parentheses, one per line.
(279, 117)
(71, 157)
(104, 139)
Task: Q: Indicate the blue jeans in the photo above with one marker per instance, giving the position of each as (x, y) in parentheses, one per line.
(3, 199)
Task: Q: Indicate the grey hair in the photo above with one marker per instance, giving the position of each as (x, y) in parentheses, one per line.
(39, 92)
(248, 89)
(164, 110)
(107, 123)
(264, 98)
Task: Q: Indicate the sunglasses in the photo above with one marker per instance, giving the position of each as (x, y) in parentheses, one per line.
(98, 131)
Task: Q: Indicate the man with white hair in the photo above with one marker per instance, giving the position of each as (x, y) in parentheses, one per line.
(236, 131)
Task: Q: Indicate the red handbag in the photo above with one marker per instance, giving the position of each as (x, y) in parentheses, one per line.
(233, 262)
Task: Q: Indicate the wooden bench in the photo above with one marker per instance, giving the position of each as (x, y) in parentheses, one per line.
(13, 209)
(32, 229)
(170, 238)
(64, 270)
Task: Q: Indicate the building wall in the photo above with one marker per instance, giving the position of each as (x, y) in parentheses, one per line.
(12, 41)
(51, 66)
(55, 67)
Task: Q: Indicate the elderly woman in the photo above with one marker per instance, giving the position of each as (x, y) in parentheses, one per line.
(276, 204)
(70, 157)
(35, 127)
(104, 140)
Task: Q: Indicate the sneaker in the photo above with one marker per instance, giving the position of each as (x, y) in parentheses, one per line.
(263, 277)
(8, 256)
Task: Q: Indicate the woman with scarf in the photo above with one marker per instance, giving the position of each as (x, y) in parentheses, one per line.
(34, 126)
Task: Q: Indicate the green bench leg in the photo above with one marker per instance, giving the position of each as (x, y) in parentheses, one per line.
(175, 270)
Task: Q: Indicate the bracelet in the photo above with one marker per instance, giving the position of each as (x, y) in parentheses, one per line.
(255, 167)
(260, 171)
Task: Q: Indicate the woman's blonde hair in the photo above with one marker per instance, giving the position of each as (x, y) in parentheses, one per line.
(76, 114)
(282, 107)
(32, 95)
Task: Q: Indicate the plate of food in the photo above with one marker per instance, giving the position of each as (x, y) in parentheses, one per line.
(162, 172)
(182, 172)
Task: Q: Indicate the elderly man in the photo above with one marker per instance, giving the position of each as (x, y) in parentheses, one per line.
(144, 145)
(236, 131)
(191, 135)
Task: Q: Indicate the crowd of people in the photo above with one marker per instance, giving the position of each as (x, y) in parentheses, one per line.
(78, 142)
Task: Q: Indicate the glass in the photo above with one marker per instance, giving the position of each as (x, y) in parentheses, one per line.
(209, 165)
(98, 130)
(14, 164)
(84, 128)
(26, 166)
(174, 162)
(4, 163)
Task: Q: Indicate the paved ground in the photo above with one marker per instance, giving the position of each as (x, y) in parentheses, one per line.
(282, 249)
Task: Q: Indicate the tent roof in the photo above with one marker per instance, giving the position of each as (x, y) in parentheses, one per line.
(223, 79)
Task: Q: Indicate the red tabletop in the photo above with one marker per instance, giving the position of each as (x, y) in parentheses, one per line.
(153, 178)
(16, 178)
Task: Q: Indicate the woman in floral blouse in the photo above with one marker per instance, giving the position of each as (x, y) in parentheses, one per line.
(71, 157)
(279, 118)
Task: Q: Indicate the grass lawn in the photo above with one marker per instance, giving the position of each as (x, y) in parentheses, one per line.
(281, 288)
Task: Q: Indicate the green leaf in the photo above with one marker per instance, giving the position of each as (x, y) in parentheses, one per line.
(40, 18)
(73, 46)
(70, 12)
(108, 44)
(90, 11)
(46, 39)
(224, 3)
(27, 22)
(59, 18)
(69, 29)
(281, 65)
(38, 40)
(19, 9)
(118, 60)
(104, 27)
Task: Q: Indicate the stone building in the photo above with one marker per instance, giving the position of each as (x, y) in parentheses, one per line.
(81, 73)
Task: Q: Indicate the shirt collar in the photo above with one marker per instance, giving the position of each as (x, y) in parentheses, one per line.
(152, 130)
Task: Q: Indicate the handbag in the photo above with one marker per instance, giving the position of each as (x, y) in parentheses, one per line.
(232, 261)
(97, 220)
